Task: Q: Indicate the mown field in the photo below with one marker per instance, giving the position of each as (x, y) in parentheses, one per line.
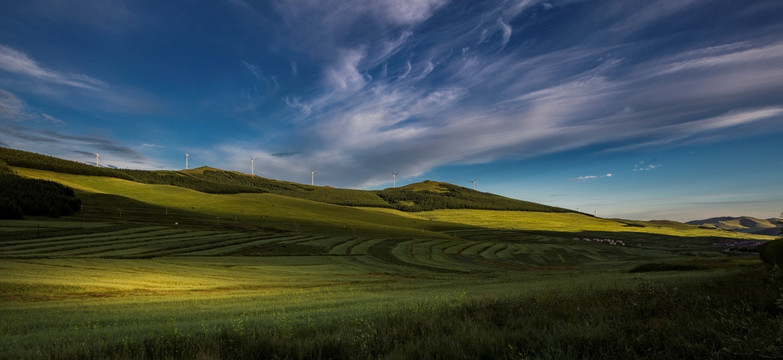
(156, 271)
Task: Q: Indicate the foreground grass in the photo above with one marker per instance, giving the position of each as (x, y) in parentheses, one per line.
(731, 317)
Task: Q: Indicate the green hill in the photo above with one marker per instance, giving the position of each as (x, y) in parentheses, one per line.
(433, 195)
(429, 208)
(428, 195)
(745, 224)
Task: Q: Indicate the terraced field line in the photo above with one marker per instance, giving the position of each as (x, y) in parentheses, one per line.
(175, 245)
(343, 247)
(203, 249)
(439, 257)
(56, 239)
(129, 239)
(209, 244)
(416, 253)
(297, 239)
(313, 240)
(475, 249)
(75, 245)
(325, 242)
(457, 248)
(264, 240)
(364, 246)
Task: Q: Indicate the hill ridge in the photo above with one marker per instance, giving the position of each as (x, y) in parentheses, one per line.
(423, 196)
(745, 224)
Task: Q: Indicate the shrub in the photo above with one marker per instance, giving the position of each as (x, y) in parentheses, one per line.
(772, 252)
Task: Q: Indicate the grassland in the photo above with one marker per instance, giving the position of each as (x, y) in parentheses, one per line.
(281, 212)
(428, 195)
(159, 271)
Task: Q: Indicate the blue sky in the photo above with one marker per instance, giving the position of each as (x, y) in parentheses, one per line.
(636, 109)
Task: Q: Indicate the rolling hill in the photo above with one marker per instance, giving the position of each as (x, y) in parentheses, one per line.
(160, 264)
(430, 208)
(428, 195)
(744, 224)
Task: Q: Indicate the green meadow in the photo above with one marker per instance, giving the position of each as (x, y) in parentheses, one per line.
(160, 271)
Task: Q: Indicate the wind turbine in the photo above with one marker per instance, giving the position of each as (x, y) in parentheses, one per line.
(312, 177)
(97, 159)
(187, 157)
(252, 165)
(394, 175)
(474, 183)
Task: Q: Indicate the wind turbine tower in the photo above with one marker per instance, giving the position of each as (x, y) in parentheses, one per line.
(394, 176)
(97, 159)
(474, 183)
(187, 157)
(252, 165)
(312, 177)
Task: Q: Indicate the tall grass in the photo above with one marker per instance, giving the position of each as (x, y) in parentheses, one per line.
(734, 317)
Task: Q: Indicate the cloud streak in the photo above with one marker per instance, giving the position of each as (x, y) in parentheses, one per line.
(19, 63)
(355, 88)
(46, 141)
(414, 105)
(642, 166)
(592, 177)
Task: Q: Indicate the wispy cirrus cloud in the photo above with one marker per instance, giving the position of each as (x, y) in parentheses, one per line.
(26, 127)
(70, 146)
(11, 107)
(15, 109)
(506, 29)
(344, 75)
(644, 166)
(592, 177)
(483, 88)
(19, 63)
(22, 74)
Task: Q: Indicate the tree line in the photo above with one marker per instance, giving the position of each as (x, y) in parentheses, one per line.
(20, 196)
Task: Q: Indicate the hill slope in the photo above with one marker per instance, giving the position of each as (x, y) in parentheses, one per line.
(745, 224)
(428, 195)
(272, 211)
(433, 195)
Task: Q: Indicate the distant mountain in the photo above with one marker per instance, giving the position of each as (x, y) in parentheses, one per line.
(745, 224)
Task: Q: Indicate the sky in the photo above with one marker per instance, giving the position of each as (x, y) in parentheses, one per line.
(669, 109)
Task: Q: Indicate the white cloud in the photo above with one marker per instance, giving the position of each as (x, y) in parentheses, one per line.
(344, 74)
(428, 67)
(15, 109)
(11, 107)
(255, 70)
(52, 119)
(733, 118)
(72, 147)
(407, 11)
(435, 109)
(17, 62)
(648, 13)
(592, 177)
(506, 28)
(407, 71)
(722, 56)
(643, 166)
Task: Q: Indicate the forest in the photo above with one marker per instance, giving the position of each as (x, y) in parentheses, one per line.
(21, 196)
